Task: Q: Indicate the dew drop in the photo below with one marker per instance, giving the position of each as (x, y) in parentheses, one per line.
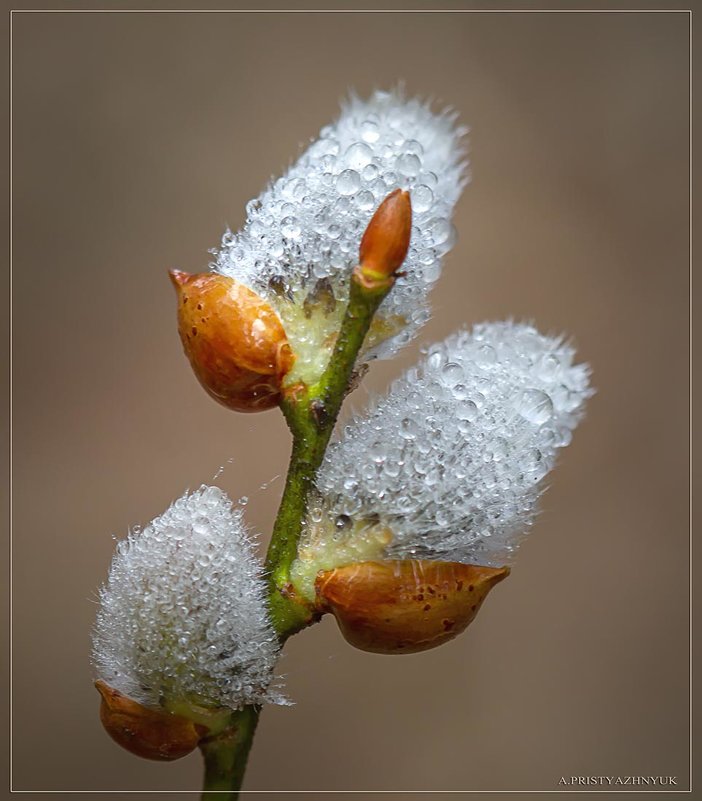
(422, 198)
(348, 182)
(432, 272)
(378, 188)
(327, 163)
(413, 146)
(290, 228)
(408, 164)
(535, 466)
(391, 469)
(468, 411)
(440, 230)
(369, 173)
(358, 156)
(365, 200)
(252, 207)
(408, 428)
(369, 471)
(429, 179)
(377, 452)
(563, 437)
(550, 365)
(435, 361)
(535, 406)
(342, 205)
(451, 374)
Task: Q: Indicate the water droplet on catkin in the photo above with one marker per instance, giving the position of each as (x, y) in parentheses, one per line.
(535, 406)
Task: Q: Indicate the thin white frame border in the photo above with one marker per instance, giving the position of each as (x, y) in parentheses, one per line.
(690, 313)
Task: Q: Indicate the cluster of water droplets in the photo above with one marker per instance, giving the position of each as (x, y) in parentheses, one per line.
(452, 458)
(306, 227)
(182, 614)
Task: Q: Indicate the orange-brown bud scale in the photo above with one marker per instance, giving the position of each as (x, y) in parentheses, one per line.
(234, 340)
(386, 239)
(148, 733)
(404, 606)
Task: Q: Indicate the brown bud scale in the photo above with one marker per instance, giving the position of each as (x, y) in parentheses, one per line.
(148, 733)
(404, 606)
(234, 340)
(387, 237)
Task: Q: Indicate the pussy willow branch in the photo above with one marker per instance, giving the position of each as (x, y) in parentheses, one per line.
(311, 413)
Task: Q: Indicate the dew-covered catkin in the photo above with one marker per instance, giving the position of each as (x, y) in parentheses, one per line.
(182, 615)
(301, 237)
(449, 465)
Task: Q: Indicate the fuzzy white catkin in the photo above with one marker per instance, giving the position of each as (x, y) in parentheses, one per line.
(452, 459)
(306, 227)
(182, 615)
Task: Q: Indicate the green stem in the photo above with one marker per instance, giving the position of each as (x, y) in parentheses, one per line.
(311, 413)
(226, 754)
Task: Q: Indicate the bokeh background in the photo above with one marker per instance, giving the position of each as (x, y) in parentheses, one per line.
(137, 139)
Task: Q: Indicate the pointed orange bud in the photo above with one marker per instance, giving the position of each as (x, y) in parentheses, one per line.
(148, 733)
(404, 606)
(386, 239)
(178, 278)
(234, 340)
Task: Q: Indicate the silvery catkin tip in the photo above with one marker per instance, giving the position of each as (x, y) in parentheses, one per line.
(301, 237)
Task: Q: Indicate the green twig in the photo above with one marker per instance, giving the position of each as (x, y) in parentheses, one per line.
(311, 413)
(226, 754)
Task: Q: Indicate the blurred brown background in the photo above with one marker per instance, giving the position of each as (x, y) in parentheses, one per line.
(138, 137)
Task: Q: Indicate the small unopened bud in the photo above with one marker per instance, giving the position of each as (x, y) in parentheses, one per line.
(386, 239)
(404, 606)
(149, 733)
(234, 340)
